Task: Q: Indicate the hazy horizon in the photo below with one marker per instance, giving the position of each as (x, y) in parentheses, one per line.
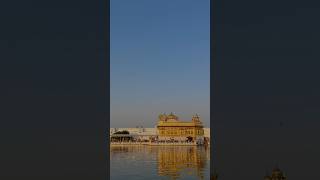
(160, 58)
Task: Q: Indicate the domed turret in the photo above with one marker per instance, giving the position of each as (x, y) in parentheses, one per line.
(196, 118)
(162, 117)
(172, 117)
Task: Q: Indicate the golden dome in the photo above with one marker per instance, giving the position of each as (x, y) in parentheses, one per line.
(172, 116)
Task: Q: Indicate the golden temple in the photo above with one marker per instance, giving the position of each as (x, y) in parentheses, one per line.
(170, 128)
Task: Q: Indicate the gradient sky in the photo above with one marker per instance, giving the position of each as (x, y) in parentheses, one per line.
(160, 60)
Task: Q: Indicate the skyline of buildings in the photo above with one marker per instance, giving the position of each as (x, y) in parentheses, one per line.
(169, 130)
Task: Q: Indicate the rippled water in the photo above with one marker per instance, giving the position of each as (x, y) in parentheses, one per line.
(159, 163)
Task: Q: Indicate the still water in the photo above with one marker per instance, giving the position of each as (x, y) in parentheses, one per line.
(159, 163)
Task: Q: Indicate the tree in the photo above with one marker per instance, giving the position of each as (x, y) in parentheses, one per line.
(122, 132)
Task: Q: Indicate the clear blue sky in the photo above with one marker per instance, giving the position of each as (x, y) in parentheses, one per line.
(160, 57)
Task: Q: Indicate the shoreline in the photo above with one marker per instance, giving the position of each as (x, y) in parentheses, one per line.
(157, 144)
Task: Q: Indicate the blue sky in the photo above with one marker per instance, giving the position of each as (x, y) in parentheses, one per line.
(160, 58)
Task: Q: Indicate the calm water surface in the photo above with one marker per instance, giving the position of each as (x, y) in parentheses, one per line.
(159, 163)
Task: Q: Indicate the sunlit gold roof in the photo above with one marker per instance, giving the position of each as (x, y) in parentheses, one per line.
(171, 116)
(173, 120)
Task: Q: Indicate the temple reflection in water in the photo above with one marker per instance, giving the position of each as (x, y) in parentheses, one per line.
(158, 162)
(174, 161)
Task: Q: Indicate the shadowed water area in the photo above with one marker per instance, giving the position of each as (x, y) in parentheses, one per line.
(159, 162)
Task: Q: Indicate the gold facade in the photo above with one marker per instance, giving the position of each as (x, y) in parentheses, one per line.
(170, 127)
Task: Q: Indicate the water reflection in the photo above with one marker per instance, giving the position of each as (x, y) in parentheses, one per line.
(173, 161)
(159, 162)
